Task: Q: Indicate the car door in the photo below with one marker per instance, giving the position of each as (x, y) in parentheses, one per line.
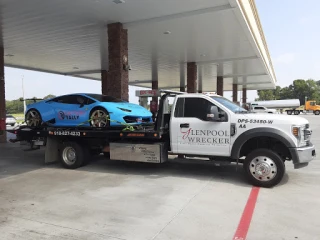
(69, 111)
(192, 133)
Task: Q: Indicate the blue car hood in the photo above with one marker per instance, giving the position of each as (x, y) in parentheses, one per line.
(134, 108)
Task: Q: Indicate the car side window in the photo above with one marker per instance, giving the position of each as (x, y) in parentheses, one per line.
(193, 108)
(70, 99)
(89, 101)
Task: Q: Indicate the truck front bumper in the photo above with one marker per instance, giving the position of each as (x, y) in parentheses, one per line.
(303, 155)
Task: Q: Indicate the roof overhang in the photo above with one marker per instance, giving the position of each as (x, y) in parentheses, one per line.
(224, 37)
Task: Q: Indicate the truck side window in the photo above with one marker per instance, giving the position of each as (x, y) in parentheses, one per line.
(197, 108)
(179, 110)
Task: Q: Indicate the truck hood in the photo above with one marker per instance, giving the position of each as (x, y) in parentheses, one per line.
(272, 118)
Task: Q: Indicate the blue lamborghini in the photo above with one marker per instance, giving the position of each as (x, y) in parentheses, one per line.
(86, 109)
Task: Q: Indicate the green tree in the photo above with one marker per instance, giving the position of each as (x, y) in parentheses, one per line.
(299, 88)
(49, 96)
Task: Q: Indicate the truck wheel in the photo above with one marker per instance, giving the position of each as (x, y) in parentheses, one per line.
(73, 155)
(296, 112)
(264, 168)
(289, 112)
(316, 112)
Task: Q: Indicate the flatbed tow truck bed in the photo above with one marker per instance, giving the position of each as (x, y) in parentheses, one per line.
(74, 146)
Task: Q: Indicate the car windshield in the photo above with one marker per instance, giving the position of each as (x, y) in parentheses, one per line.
(230, 105)
(9, 116)
(104, 98)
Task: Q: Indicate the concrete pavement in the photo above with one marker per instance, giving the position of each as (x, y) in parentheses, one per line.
(123, 200)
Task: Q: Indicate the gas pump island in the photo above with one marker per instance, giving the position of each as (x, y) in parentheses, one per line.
(143, 100)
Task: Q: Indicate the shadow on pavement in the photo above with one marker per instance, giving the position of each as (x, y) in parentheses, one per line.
(14, 161)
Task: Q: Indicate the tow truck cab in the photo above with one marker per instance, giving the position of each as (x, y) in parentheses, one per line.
(213, 126)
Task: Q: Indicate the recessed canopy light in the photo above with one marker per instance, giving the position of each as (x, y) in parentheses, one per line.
(9, 55)
(75, 68)
(118, 1)
(167, 32)
(202, 55)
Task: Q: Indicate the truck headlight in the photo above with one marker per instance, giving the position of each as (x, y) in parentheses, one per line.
(303, 134)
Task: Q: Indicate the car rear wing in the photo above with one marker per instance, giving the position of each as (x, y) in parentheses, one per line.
(31, 99)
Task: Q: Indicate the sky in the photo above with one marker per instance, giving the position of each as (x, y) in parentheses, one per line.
(291, 32)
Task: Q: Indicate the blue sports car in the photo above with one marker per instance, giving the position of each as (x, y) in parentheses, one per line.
(86, 109)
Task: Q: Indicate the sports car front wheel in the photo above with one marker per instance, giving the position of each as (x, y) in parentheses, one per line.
(99, 118)
(33, 118)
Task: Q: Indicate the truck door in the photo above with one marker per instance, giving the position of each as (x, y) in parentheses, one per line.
(192, 133)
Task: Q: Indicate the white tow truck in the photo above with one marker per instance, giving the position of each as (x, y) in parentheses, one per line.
(197, 125)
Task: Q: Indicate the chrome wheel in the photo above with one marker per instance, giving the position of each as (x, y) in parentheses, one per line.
(99, 118)
(69, 155)
(33, 118)
(263, 168)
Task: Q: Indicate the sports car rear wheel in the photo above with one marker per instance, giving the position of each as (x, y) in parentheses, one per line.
(33, 118)
(99, 118)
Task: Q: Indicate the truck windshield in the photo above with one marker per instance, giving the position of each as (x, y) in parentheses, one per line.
(230, 105)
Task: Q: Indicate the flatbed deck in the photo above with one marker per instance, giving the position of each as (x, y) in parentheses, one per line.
(25, 133)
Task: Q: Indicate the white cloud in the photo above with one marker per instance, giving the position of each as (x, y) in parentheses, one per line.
(285, 58)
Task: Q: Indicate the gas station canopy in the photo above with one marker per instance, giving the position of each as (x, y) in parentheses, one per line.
(223, 37)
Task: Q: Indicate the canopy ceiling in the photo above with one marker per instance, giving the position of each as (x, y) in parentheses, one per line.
(224, 37)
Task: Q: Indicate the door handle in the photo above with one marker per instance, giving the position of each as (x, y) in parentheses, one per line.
(184, 125)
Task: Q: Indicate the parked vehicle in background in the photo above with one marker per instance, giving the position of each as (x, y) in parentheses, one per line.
(10, 120)
(309, 107)
(262, 109)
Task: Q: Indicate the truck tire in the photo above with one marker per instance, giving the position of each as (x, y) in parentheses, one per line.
(264, 168)
(316, 112)
(73, 155)
(296, 112)
(289, 112)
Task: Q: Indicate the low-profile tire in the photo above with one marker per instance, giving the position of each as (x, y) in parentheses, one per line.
(101, 121)
(31, 121)
(264, 168)
(73, 155)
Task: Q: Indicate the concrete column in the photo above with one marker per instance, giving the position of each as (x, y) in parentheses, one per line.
(200, 80)
(104, 76)
(191, 77)
(3, 135)
(220, 85)
(244, 95)
(154, 73)
(182, 78)
(116, 82)
(235, 93)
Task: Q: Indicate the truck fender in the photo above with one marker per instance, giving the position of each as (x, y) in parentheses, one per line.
(259, 132)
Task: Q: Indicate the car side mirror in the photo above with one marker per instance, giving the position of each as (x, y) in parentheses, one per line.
(213, 114)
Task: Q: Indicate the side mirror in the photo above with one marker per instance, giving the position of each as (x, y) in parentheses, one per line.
(213, 114)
